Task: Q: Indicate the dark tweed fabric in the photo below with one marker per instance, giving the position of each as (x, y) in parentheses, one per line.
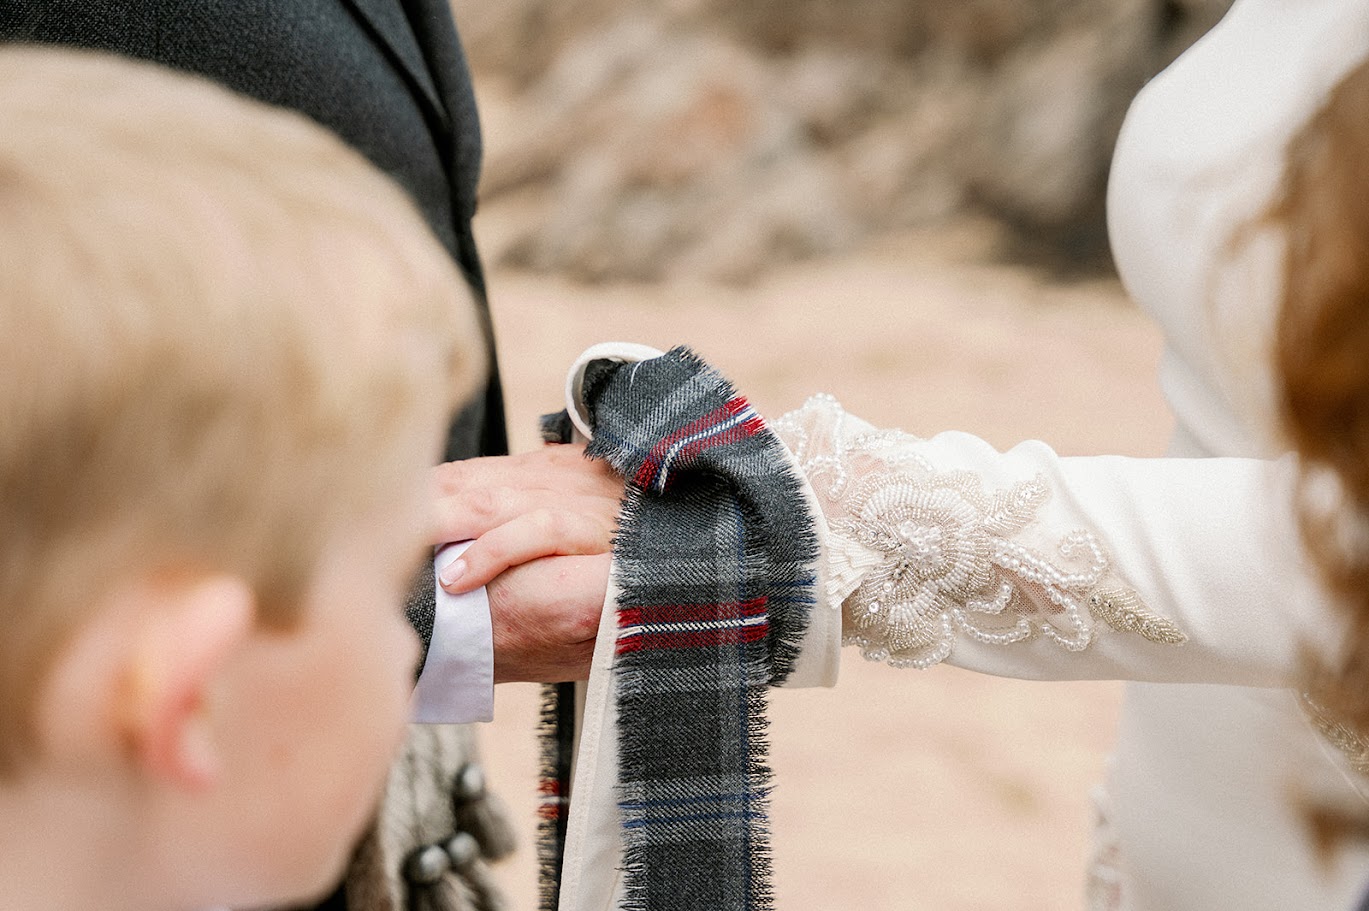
(388, 76)
(715, 562)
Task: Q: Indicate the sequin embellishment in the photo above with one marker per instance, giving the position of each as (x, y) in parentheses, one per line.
(932, 553)
(1351, 744)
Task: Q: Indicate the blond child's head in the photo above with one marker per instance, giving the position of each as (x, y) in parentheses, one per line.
(228, 347)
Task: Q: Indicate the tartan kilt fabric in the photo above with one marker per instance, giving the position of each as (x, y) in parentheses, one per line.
(715, 563)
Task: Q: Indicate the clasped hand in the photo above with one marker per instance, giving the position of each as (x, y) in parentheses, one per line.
(543, 524)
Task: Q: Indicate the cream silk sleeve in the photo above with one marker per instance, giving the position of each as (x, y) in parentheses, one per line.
(1027, 564)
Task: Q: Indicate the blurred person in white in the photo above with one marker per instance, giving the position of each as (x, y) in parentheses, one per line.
(1240, 750)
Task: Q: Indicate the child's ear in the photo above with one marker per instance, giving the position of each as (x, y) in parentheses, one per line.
(180, 649)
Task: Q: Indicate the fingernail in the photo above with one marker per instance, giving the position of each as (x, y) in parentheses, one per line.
(452, 572)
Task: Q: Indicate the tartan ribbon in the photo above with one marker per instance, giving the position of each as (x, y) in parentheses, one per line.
(715, 563)
(556, 736)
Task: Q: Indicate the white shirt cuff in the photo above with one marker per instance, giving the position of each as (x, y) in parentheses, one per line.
(625, 352)
(457, 682)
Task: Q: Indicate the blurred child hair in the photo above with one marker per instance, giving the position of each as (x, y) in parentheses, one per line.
(213, 322)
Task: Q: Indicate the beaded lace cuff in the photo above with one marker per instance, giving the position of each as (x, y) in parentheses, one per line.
(919, 557)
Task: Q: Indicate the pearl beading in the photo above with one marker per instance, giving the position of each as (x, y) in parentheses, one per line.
(922, 557)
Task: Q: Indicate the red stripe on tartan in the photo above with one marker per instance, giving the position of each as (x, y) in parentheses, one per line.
(702, 639)
(736, 405)
(741, 431)
(552, 805)
(648, 469)
(691, 613)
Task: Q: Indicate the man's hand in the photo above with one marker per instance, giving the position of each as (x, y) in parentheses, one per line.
(546, 615)
(543, 524)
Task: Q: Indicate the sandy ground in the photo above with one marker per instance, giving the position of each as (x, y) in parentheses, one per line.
(908, 790)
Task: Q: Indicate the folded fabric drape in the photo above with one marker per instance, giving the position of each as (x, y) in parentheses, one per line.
(715, 565)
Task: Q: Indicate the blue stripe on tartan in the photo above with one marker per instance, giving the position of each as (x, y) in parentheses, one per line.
(680, 801)
(745, 815)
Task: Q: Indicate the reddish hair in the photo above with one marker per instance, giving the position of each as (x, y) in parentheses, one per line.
(1321, 365)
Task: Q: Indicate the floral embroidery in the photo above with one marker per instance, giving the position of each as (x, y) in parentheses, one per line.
(1351, 744)
(1123, 610)
(931, 555)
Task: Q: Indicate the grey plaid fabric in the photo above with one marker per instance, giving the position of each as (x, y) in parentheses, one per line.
(716, 557)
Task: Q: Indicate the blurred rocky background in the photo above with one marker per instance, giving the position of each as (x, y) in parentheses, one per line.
(658, 139)
(856, 197)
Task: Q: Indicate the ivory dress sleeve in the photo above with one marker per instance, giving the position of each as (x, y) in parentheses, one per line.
(1027, 564)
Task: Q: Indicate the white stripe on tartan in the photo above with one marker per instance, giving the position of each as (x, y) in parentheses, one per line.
(740, 417)
(699, 627)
